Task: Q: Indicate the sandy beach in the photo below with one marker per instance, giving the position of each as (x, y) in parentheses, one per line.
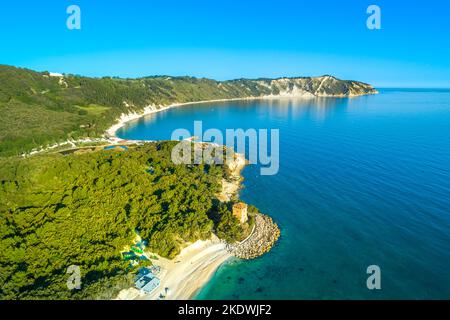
(186, 274)
(124, 118)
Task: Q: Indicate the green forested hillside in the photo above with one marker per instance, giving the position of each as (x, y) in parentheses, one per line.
(38, 109)
(57, 211)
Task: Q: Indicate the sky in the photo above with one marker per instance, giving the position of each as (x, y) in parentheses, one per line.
(227, 39)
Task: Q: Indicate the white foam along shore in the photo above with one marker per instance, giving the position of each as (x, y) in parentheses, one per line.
(124, 118)
(182, 277)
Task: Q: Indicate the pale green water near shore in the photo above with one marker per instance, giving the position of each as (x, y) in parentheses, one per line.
(362, 181)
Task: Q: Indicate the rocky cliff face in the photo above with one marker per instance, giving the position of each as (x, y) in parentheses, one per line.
(325, 86)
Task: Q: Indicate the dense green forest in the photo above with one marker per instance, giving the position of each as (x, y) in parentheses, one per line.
(39, 109)
(82, 209)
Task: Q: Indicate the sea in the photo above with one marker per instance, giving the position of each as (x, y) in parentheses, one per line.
(362, 181)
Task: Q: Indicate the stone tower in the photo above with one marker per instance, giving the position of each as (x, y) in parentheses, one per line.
(240, 212)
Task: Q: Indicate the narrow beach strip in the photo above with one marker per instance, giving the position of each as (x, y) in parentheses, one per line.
(182, 277)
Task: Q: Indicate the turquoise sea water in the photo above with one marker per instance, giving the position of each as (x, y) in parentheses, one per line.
(362, 181)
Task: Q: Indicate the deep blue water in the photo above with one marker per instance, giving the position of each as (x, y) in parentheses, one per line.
(362, 181)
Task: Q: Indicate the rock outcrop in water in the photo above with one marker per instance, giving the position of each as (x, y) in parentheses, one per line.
(265, 234)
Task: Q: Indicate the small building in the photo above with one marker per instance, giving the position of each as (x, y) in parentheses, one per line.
(240, 212)
(146, 281)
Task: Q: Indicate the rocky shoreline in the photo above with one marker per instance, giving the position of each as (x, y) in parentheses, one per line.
(265, 232)
(264, 236)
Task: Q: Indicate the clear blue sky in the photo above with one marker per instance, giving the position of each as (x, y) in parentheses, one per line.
(226, 39)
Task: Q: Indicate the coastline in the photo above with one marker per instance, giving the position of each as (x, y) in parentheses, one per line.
(195, 265)
(151, 109)
(182, 277)
(185, 275)
(111, 137)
